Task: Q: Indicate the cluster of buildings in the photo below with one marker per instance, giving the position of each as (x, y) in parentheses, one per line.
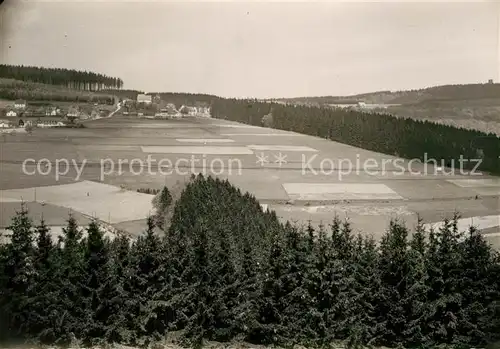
(148, 106)
(5, 124)
(21, 109)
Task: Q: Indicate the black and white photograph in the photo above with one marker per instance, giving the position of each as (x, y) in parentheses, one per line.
(249, 174)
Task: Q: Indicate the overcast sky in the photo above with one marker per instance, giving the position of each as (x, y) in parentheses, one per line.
(245, 49)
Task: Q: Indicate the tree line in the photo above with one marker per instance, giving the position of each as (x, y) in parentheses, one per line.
(225, 270)
(459, 92)
(74, 79)
(382, 133)
(15, 89)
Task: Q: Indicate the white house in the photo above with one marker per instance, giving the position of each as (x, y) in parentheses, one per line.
(51, 112)
(20, 104)
(73, 112)
(11, 113)
(4, 124)
(143, 98)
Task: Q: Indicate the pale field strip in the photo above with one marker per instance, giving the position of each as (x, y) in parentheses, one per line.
(340, 191)
(180, 125)
(480, 222)
(209, 150)
(476, 183)
(261, 134)
(109, 147)
(105, 202)
(363, 210)
(233, 126)
(291, 148)
(204, 140)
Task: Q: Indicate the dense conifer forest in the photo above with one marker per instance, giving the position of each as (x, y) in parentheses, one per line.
(383, 133)
(38, 93)
(226, 270)
(190, 99)
(74, 79)
(435, 93)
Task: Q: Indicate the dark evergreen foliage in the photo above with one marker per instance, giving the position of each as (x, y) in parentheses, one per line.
(226, 271)
(81, 80)
(404, 137)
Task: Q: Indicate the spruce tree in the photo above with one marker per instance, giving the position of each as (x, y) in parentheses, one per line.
(70, 278)
(161, 203)
(245, 312)
(119, 324)
(148, 276)
(20, 273)
(96, 275)
(394, 271)
(364, 327)
(271, 327)
(478, 321)
(444, 297)
(45, 288)
(415, 301)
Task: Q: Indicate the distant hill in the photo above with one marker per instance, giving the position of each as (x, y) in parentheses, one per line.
(437, 93)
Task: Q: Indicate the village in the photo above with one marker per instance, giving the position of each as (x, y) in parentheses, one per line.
(154, 107)
(21, 114)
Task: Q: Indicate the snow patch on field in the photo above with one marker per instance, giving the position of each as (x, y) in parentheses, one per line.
(282, 148)
(262, 134)
(480, 222)
(197, 150)
(364, 210)
(474, 183)
(340, 191)
(204, 140)
(235, 126)
(105, 202)
(109, 147)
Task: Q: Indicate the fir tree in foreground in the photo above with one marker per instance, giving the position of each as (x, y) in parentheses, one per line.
(227, 271)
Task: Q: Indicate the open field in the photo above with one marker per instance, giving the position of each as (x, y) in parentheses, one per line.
(300, 177)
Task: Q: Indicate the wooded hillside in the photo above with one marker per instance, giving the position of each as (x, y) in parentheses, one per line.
(15, 89)
(74, 79)
(436, 93)
(225, 270)
(383, 133)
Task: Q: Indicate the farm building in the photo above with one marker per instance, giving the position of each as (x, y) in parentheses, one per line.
(73, 112)
(4, 124)
(52, 111)
(11, 113)
(143, 98)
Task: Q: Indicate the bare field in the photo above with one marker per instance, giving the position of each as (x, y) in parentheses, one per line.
(368, 196)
